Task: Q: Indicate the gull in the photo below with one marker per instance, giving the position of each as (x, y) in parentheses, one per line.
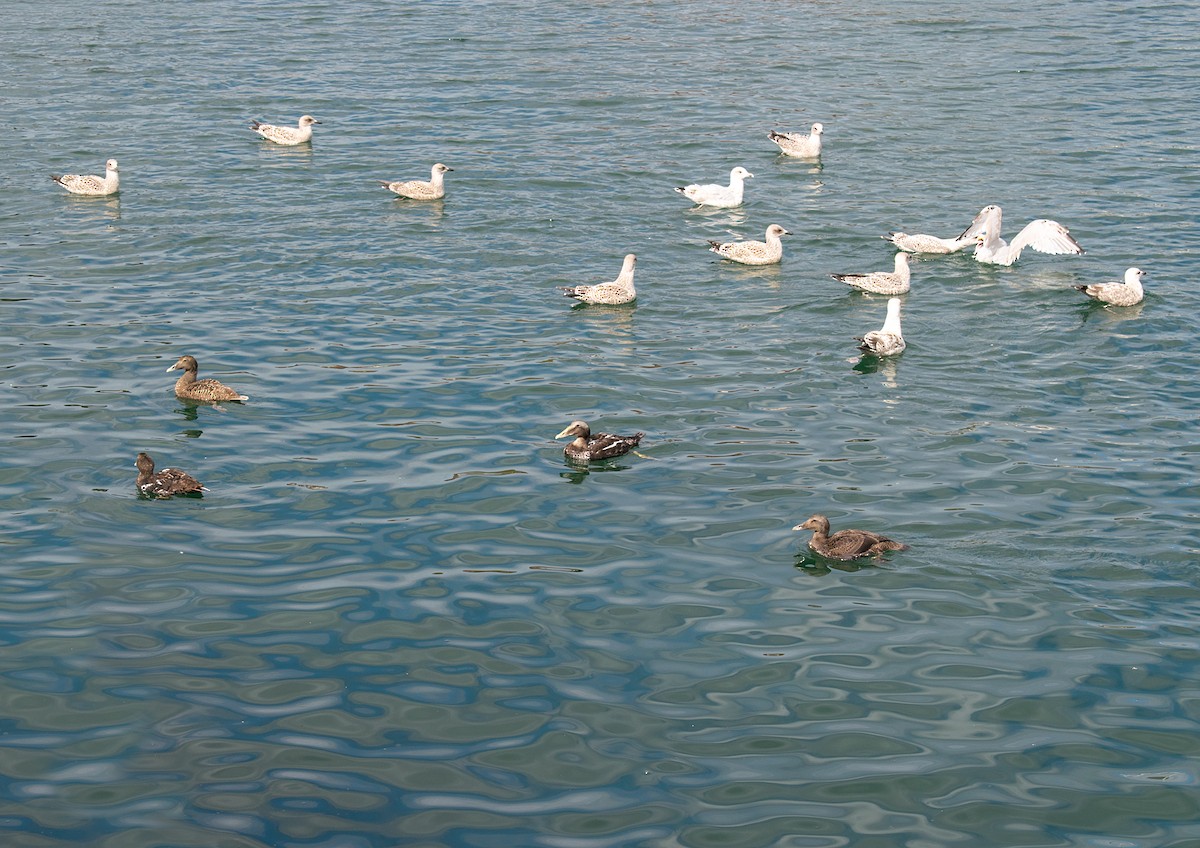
(87, 184)
(887, 340)
(799, 144)
(1042, 235)
(620, 290)
(435, 189)
(753, 252)
(921, 243)
(286, 135)
(718, 195)
(880, 282)
(1128, 293)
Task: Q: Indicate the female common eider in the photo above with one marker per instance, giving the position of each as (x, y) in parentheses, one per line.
(587, 446)
(618, 291)
(164, 484)
(766, 252)
(298, 134)
(880, 282)
(1128, 293)
(434, 189)
(89, 185)
(846, 544)
(189, 388)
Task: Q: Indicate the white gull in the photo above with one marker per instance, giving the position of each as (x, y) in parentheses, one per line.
(1042, 235)
(718, 195)
(753, 252)
(286, 135)
(94, 186)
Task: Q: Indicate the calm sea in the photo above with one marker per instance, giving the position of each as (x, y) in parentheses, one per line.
(399, 618)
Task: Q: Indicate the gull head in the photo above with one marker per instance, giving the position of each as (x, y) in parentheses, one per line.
(817, 129)
(776, 230)
(439, 168)
(1134, 275)
(740, 173)
(110, 165)
(308, 120)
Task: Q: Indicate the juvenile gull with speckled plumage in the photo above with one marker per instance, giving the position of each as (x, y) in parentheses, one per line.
(753, 252)
(880, 282)
(298, 134)
(1127, 293)
(798, 144)
(90, 185)
(618, 291)
(922, 243)
(434, 189)
(887, 340)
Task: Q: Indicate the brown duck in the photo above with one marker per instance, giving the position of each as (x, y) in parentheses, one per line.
(189, 388)
(164, 484)
(586, 446)
(846, 544)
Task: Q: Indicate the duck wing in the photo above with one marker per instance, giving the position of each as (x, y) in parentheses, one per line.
(848, 544)
(605, 445)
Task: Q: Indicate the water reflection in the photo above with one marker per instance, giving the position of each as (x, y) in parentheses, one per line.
(885, 366)
(1103, 313)
(96, 208)
(406, 209)
(818, 566)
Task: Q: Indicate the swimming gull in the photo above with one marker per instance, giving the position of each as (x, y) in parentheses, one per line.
(922, 243)
(1128, 293)
(753, 252)
(798, 144)
(887, 340)
(880, 282)
(435, 189)
(719, 195)
(286, 135)
(90, 185)
(618, 291)
(1042, 235)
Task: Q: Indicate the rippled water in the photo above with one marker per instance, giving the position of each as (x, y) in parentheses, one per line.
(398, 617)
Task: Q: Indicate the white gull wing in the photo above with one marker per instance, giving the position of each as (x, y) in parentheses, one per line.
(1045, 236)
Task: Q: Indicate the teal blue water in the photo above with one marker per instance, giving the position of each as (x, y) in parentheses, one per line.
(399, 617)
